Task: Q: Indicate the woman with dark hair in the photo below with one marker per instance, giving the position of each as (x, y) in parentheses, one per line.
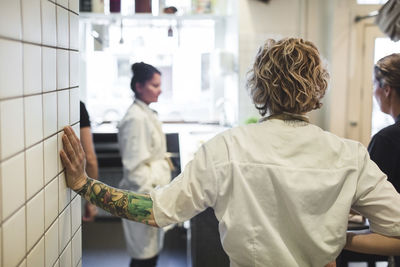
(384, 147)
(143, 151)
(282, 188)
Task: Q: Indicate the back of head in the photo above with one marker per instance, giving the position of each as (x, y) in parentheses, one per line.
(141, 73)
(287, 76)
(387, 71)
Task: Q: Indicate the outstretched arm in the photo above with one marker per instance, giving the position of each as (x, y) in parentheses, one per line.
(372, 243)
(122, 203)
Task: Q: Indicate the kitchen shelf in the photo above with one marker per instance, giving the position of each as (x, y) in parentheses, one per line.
(117, 16)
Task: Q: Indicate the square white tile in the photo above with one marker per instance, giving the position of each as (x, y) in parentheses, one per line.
(74, 6)
(62, 69)
(51, 203)
(73, 31)
(51, 244)
(76, 213)
(13, 184)
(49, 65)
(49, 114)
(49, 23)
(73, 69)
(63, 108)
(31, 21)
(34, 219)
(64, 228)
(35, 258)
(33, 120)
(62, 27)
(14, 235)
(74, 105)
(10, 67)
(34, 170)
(50, 158)
(65, 257)
(10, 19)
(59, 147)
(77, 247)
(32, 69)
(12, 127)
(64, 194)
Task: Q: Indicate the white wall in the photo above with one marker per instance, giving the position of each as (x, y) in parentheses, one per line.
(40, 217)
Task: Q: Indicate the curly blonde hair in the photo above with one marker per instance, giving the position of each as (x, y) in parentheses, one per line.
(287, 76)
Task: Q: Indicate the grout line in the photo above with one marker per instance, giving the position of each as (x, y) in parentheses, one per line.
(36, 94)
(66, 8)
(44, 139)
(32, 43)
(43, 237)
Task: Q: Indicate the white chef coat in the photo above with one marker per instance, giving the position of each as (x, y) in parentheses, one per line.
(282, 192)
(143, 148)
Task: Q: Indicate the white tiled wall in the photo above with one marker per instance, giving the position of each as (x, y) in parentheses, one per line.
(40, 221)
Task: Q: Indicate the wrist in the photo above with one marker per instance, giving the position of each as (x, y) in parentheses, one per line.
(349, 239)
(81, 181)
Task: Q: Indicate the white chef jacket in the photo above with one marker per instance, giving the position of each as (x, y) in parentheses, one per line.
(143, 148)
(282, 192)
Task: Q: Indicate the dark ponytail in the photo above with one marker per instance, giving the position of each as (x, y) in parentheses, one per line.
(141, 73)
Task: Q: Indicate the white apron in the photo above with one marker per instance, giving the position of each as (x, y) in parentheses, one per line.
(143, 147)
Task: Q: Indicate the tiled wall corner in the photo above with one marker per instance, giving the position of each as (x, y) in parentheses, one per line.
(40, 219)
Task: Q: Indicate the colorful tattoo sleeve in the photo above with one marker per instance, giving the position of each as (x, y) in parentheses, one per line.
(122, 203)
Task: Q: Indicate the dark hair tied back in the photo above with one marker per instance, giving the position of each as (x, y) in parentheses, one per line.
(141, 73)
(387, 71)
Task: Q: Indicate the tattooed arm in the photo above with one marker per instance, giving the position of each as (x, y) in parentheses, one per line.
(122, 203)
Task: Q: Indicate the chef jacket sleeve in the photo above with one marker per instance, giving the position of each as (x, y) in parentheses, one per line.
(376, 198)
(191, 192)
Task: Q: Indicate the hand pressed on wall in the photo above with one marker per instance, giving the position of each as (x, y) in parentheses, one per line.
(73, 158)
